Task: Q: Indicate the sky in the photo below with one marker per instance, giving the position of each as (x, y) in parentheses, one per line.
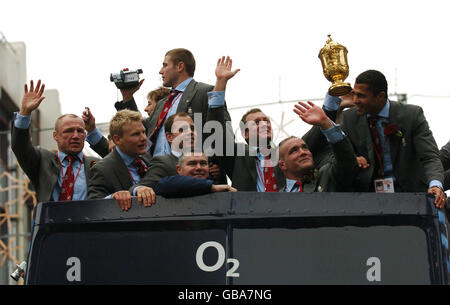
(74, 46)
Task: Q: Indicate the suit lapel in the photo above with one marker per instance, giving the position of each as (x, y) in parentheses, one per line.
(394, 141)
(363, 131)
(121, 171)
(55, 172)
(186, 99)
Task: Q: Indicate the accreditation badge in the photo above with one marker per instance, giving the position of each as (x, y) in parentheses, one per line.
(385, 185)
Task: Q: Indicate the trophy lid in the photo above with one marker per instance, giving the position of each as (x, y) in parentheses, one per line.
(330, 45)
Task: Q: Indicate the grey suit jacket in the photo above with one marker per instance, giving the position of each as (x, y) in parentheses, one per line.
(159, 167)
(194, 100)
(336, 175)
(444, 154)
(110, 175)
(415, 156)
(41, 166)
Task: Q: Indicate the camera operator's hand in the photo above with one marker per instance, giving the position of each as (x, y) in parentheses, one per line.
(89, 120)
(127, 94)
(32, 99)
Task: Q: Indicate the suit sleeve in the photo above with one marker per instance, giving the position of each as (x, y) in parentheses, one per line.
(444, 154)
(97, 187)
(28, 156)
(426, 148)
(101, 148)
(157, 169)
(226, 163)
(131, 105)
(343, 166)
(182, 186)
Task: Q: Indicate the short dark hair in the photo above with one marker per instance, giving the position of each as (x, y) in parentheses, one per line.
(184, 55)
(169, 122)
(244, 117)
(375, 80)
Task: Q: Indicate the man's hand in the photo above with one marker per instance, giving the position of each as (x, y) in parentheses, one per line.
(127, 94)
(224, 73)
(214, 170)
(32, 99)
(313, 115)
(123, 198)
(89, 120)
(347, 101)
(222, 188)
(439, 200)
(145, 195)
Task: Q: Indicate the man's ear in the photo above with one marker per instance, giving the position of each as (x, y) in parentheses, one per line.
(245, 134)
(178, 169)
(181, 66)
(116, 138)
(169, 137)
(282, 165)
(55, 135)
(382, 96)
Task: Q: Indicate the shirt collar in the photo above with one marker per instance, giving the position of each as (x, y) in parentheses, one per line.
(176, 153)
(62, 155)
(384, 113)
(183, 85)
(290, 184)
(126, 158)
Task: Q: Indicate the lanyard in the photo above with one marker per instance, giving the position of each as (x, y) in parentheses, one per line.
(62, 171)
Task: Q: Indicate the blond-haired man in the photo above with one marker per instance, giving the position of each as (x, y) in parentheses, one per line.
(125, 165)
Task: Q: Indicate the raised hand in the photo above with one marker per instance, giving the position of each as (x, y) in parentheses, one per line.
(32, 98)
(89, 120)
(224, 73)
(313, 115)
(127, 94)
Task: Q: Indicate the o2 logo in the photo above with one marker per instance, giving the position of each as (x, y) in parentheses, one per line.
(220, 259)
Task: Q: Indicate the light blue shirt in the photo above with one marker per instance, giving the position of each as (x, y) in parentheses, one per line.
(332, 103)
(162, 146)
(80, 188)
(94, 137)
(260, 171)
(290, 186)
(384, 118)
(216, 99)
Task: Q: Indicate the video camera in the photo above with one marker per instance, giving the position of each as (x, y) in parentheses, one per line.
(126, 79)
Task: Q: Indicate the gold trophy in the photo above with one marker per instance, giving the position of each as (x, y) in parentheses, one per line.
(335, 67)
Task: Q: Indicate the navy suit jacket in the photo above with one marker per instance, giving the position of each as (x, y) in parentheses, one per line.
(182, 186)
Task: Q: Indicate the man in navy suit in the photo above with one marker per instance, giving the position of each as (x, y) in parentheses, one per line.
(192, 179)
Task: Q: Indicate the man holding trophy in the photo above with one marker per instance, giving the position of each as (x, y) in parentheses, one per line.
(394, 138)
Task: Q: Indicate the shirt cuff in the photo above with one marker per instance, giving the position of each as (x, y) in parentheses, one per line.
(94, 137)
(22, 121)
(436, 183)
(331, 103)
(108, 197)
(216, 99)
(135, 189)
(334, 134)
